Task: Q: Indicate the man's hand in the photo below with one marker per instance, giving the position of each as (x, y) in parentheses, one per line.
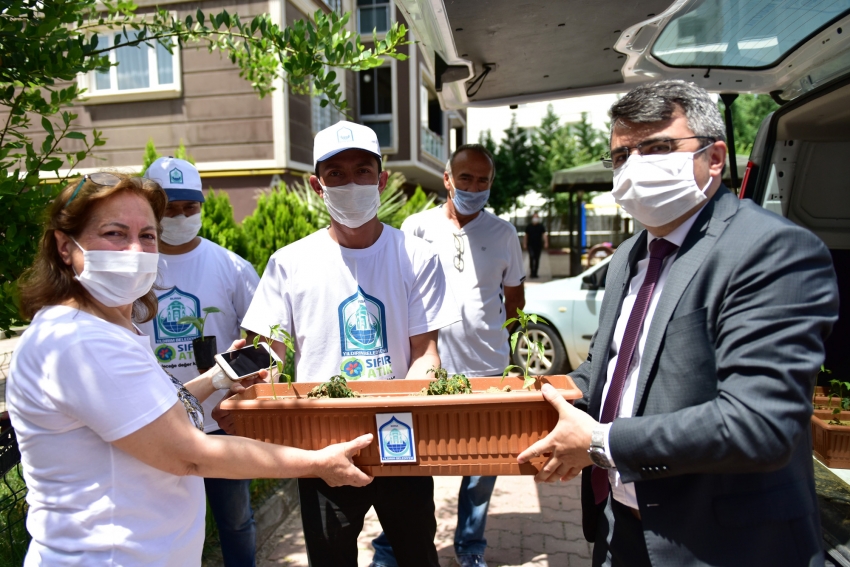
(336, 467)
(568, 442)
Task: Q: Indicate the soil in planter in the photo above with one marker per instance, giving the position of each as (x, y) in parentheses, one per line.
(336, 387)
(495, 390)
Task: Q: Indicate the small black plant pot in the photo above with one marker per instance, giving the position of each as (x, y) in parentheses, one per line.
(205, 350)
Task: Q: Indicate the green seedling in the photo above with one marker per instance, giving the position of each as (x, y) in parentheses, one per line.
(276, 333)
(533, 347)
(823, 370)
(336, 387)
(840, 390)
(199, 322)
(444, 386)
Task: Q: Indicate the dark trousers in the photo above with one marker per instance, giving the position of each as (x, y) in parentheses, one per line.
(333, 518)
(619, 538)
(534, 259)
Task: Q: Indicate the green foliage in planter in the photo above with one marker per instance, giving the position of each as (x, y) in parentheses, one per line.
(280, 218)
(218, 225)
(841, 390)
(445, 386)
(336, 387)
(533, 347)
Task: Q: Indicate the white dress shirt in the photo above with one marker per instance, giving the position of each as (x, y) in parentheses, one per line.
(625, 492)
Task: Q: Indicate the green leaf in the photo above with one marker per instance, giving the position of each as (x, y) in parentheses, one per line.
(528, 383)
(514, 339)
(257, 341)
(509, 322)
(211, 310)
(75, 135)
(45, 123)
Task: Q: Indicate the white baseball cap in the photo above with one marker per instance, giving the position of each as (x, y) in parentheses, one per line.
(345, 136)
(178, 177)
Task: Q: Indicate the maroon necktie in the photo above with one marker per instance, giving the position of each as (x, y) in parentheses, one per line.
(658, 250)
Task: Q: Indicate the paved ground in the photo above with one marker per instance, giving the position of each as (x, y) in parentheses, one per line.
(528, 525)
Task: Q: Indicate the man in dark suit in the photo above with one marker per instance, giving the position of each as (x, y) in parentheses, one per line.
(693, 435)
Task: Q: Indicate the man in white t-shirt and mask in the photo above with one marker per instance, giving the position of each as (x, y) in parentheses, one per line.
(195, 274)
(484, 269)
(365, 301)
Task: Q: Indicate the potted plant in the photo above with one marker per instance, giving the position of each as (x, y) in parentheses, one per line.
(533, 347)
(455, 425)
(203, 347)
(280, 335)
(831, 428)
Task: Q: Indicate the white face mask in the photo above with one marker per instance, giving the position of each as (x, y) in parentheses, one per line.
(352, 205)
(117, 277)
(658, 189)
(180, 229)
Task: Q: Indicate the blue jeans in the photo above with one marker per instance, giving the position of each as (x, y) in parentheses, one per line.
(472, 503)
(230, 503)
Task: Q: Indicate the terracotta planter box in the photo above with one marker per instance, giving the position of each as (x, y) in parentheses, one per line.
(831, 443)
(467, 434)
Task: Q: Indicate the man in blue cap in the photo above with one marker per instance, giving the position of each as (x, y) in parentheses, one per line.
(195, 274)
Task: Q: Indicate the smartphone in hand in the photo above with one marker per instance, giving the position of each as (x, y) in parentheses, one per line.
(246, 362)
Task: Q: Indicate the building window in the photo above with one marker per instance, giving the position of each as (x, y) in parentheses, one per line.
(376, 102)
(373, 15)
(431, 122)
(335, 5)
(324, 117)
(141, 69)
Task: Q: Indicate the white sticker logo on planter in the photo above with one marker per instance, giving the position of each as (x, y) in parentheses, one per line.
(395, 437)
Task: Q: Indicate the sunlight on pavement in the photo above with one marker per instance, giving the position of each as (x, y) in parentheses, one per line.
(528, 525)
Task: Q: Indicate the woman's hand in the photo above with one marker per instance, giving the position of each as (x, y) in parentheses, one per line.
(336, 467)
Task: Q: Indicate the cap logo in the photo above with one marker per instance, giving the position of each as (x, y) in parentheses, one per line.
(175, 176)
(344, 135)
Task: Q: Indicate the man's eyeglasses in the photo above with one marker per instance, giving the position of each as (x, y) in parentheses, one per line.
(458, 260)
(99, 178)
(619, 156)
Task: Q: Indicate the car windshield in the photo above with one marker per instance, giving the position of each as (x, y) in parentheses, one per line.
(744, 34)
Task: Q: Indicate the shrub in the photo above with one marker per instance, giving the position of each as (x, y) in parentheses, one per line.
(280, 218)
(217, 224)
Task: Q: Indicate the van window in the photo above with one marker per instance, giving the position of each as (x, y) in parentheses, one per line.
(743, 33)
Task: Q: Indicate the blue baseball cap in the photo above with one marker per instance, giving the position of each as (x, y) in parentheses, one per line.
(178, 177)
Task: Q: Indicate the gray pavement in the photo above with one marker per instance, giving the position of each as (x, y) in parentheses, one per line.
(528, 525)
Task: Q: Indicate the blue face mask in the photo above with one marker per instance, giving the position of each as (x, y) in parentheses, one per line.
(469, 203)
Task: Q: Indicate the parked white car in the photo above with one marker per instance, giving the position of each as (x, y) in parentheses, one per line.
(570, 308)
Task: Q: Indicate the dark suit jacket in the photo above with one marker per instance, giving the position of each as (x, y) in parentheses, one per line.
(719, 447)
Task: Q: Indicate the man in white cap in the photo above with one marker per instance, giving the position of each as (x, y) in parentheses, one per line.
(195, 274)
(363, 300)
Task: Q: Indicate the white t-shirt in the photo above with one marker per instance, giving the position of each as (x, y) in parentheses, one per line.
(208, 276)
(352, 312)
(76, 384)
(479, 260)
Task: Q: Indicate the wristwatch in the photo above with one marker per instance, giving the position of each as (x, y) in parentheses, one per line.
(597, 447)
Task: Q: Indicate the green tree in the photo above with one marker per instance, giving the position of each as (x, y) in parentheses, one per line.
(591, 142)
(218, 225)
(517, 159)
(280, 218)
(150, 155)
(46, 44)
(748, 112)
(417, 203)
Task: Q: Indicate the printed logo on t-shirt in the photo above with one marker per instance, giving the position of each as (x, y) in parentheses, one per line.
(362, 325)
(173, 306)
(351, 368)
(165, 353)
